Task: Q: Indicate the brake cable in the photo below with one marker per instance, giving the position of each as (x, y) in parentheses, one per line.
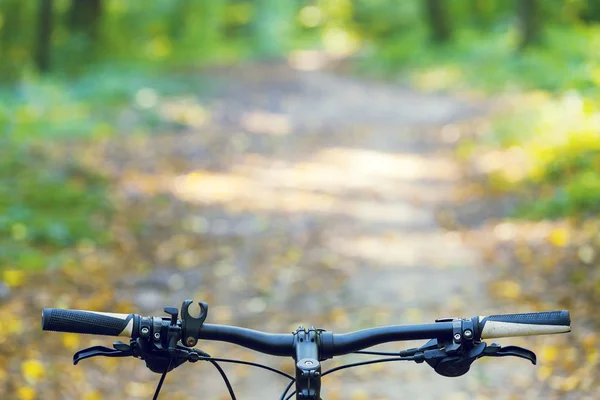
(225, 379)
(162, 379)
(357, 364)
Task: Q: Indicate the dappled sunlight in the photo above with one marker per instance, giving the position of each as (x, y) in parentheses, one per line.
(324, 184)
(338, 169)
(407, 250)
(261, 122)
(184, 110)
(309, 60)
(240, 193)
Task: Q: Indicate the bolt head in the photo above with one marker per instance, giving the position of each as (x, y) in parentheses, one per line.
(468, 333)
(457, 336)
(156, 335)
(145, 330)
(190, 341)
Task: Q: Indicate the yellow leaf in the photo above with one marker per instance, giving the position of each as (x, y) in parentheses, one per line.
(544, 372)
(510, 290)
(32, 370)
(570, 383)
(14, 277)
(549, 353)
(93, 395)
(360, 394)
(11, 324)
(70, 341)
(592, 356)
(26, 393)
(559, 237)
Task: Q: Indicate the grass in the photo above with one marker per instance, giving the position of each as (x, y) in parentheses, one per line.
(51, 204)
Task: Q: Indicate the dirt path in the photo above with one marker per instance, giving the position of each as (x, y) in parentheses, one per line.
(307, 198)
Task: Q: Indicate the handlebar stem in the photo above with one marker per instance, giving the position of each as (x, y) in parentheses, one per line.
(308, 367)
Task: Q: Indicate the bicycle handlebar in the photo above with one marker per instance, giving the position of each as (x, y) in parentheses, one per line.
(485, 327)
(454, 343)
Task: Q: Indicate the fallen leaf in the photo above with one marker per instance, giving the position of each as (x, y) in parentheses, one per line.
(33, 370)
(559, 237)
(26, 393)
(14, 277)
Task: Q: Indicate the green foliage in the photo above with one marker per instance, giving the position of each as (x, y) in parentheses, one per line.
(571, 168)
(46, 206)
(49, 202)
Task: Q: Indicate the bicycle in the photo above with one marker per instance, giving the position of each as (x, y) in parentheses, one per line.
(165, 343)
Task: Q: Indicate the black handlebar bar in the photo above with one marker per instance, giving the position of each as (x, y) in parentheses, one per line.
(495, 326)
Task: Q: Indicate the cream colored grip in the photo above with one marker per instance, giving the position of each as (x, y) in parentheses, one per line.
(90, 322)
(528, 324)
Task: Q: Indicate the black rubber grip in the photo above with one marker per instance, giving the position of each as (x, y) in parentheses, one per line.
(562, 318)
(78, 321)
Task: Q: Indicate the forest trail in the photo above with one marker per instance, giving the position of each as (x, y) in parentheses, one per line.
(293, 197)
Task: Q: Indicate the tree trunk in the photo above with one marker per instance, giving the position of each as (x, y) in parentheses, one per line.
(439, 23)
(530, 22)
(11, 59)
(44, 37)
(591, 11)
(84, 18)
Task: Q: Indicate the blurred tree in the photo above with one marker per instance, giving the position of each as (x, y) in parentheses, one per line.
(529, 17)
(44, 39)
(178, 19)
(590, 11)
(273, 26)
(83, 20)
(13, 49)
(439, 22)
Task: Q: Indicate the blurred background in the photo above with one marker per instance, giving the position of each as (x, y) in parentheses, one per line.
(335, 163)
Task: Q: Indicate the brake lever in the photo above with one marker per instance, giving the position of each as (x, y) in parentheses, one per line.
(120, 350)
(495, 350)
